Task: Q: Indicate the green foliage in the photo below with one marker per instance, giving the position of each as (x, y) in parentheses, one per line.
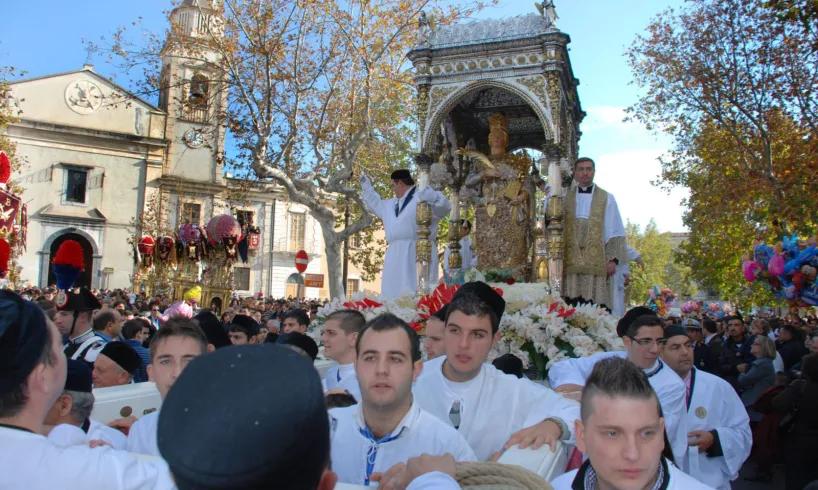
(660, 265)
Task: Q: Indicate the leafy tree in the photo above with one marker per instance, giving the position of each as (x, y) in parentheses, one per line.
(659, 266)
(738, 91)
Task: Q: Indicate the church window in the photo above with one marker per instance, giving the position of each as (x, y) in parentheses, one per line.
(198, 91)
(76, 183)
(244, 217)
(298, 223)
(191, 213)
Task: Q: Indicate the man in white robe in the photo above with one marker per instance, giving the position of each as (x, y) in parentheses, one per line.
(594, 237)
(341, 330)
(387, 427)
(32, 363)
(621, 433)
(399, 276)
(492, 410)
(619, 281)
(177, 343)
(569, 375)
(719, 427)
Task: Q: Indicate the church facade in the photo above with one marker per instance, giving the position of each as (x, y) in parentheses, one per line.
(94, 157)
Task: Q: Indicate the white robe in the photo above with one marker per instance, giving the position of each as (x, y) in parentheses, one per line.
(65, 435)
(678, 481)
(668, 386)
(142, 436)
(343, 377)
(498, 406)
(32, 462)
(714, 404)
(618, 282)
(466, 254)
(399, 276)
(420, 432)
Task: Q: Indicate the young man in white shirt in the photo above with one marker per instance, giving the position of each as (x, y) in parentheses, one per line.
(622, 434)
(387, 427)
(341, 330)
(177, 343)
(492, 410)
(719, 427)
(643, 336)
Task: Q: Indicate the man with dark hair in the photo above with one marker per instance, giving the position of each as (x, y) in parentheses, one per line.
(492, 410)
(71, 413)
(32, 377)
(108, 324)
(433, 334)
(643, 337)
(736, 350)
(132, 333)
(719, 428)
(116, 365)
(387, 427)
(714, 344)
(295, 320)
(594, 237)
(299, 342)
(400, 274)
(622, 434)
(243, 329)
(339, 336)
(177, 343)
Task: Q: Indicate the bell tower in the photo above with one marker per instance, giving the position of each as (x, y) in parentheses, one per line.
(193, 93)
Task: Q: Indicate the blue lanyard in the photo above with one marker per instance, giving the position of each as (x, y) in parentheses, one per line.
(372, 453)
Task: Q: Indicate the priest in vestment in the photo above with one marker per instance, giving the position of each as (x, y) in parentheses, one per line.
(594, 237)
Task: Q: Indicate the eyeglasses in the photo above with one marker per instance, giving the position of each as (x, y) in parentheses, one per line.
(648, 342)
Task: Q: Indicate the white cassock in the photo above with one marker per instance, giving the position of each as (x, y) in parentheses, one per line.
(668, 386)
(714, 405)
(343, 376)
(357, 454)
(493, 405)
(399, 276)
(142, 436)
(65, 435)
(677, 480)
(466, 254)
(618, 282)
(32, 462)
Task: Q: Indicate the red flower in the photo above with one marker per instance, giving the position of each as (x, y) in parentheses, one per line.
(553, 307)
(510, 281)
(563, 313)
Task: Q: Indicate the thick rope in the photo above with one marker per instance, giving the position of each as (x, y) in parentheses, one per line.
(496, 476)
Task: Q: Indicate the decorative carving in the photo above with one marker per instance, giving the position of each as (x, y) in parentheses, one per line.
(83, 96)
(555, 95)
(423, 107)
(490, 30)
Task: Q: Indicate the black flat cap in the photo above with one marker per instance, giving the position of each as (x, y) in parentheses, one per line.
(78, 376)
(213, 329)
(298, 339)
(629, 316)
(401, 174)
(124, 355)
(23, 336)
(77, 300)
(487, 295)
(509, 364)
(242, 417)
(674, 330)
(246, 323)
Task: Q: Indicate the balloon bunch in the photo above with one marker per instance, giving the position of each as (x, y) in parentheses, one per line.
(789, 269)
(690, 307)
(660, 300)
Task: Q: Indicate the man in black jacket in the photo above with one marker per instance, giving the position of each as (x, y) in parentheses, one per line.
(736, 350)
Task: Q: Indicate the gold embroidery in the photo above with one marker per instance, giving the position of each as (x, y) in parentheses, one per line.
(584, 247)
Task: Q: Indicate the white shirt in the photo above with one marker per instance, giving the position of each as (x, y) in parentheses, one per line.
(714, 404)
(65, 435)
(668, 386)
(612, 224)
(493, 407)
(343, 376)
(142, 436)
(678, 480)
(419, 432)
(30, 461)
(434, 481)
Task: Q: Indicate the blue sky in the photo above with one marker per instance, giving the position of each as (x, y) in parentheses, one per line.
(45, 36)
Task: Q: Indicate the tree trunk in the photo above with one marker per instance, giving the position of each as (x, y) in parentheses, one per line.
(332, 247)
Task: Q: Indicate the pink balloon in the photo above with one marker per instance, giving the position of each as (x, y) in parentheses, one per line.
(750, 268)
(776, 265)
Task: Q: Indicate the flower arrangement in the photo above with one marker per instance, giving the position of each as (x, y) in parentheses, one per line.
(537, 327)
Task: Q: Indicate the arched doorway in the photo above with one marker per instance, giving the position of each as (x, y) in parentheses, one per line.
(295, 286)
(84, 279)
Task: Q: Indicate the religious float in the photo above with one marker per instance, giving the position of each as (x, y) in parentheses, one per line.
(13, 224)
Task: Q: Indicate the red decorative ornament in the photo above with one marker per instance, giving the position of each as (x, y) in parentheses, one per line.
(437, 299)
(5, 255)
(70, 253)
(364, 304)
(5, 167)
(146, 245)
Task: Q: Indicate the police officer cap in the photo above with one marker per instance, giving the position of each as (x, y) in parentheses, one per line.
(486, 294)
(77, 300)
(242, 417)
(691, 323)
(303, 342)
(78, 377)
(246, 323)
(629, 316)
(124, 355)
(674, 330)
(23, 338)
(401, 174)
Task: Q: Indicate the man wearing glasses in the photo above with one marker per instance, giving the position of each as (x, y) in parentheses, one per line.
(643, 336)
